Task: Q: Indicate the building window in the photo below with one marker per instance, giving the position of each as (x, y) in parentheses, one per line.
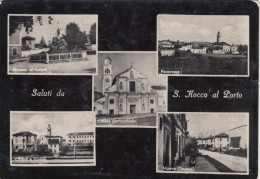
(121, 100)
(15, 51)
(121, 85)
(111, 111)
(107, 71)
(131, 74)
(151, 101)
(132, 86)
(142, 87)
(111, 101)
(121, 107)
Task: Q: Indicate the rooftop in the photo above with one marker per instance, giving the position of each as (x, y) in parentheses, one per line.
(53, 141)
(81, 133)
(24, 133)
(28, 38)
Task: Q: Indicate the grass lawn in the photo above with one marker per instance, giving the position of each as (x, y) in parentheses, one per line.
(205, 64)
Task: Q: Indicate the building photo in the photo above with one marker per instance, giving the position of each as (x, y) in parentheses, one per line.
(52, 44)
(203, 45)
(127, 90)
(210, 143)
(52, 138)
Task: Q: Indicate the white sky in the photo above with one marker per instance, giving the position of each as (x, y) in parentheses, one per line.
(59, 21)
(204, 124)
(143, 62)
(188, 28)
(61, 123)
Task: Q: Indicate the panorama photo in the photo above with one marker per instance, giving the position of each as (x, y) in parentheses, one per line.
(203, 45)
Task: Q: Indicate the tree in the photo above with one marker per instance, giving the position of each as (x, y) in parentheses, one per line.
(17, 22)
(92, 33)
(74, 37)
(42, 43)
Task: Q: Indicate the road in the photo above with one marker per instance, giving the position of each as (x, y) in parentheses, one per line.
(202, 165)
(237, 164)
(83, 66)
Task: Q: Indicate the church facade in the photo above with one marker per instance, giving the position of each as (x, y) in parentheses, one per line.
(128, 93)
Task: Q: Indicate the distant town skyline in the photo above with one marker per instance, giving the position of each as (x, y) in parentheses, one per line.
(48, 31)
(61, 123)
(203, 28)
(206, 124)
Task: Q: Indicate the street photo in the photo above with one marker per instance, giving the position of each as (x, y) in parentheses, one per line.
(127, 90)
(204, 143)
(52, 44)
(203, 45)
(52, 138)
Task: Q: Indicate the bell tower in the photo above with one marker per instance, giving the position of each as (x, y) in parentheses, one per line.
(107, 74)
(218, 37)
(49, 129)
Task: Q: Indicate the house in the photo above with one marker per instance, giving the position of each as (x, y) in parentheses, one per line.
(198, 49)
(234, 49)
(186, 47)
(166, 44)
(28, 43)
(15, 45)
(226, 48)
(128, 93)
(171, 135)
(25, 141)
(167, 51)
(238, 137)
(80, 139)
(215, 50)
(209, 141)
(54, 146)
(221, 141)
(201, 142)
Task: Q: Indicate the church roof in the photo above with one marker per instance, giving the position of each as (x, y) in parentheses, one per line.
(221, 43)
(125, 71)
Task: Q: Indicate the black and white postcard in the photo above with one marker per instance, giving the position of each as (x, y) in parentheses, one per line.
(52, 138)
(203, 45)
(206, 143)
(127, 90)
(52, 44)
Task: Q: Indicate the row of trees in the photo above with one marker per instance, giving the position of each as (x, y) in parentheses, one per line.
(73, 36)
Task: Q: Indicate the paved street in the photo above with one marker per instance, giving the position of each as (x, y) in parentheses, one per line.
(86, 66)
(202, 165)
(239, 164)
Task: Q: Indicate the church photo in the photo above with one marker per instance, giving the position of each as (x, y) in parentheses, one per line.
(203, 45)
(127, 90)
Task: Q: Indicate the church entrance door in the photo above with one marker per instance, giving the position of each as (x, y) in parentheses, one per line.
(132, 109)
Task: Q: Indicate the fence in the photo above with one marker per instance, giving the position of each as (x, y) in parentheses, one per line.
(27, 53)
(57, 57)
